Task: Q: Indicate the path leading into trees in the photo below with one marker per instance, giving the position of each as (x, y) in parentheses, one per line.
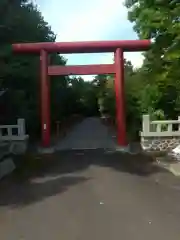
(89, 134)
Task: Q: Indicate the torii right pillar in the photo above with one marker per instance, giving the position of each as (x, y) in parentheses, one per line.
(120, 98)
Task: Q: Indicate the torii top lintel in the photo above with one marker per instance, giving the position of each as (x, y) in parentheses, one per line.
(82, 47)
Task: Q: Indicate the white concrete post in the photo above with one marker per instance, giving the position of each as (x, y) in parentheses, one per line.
(170, 127)
(21, 127)
(179, 123)
(146, 123)
(158, 127)
(9, 131)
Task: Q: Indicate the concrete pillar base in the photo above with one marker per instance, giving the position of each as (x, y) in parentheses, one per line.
(125, 149)
(49, 150)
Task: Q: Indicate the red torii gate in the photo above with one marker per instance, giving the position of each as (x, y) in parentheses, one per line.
(118, 47)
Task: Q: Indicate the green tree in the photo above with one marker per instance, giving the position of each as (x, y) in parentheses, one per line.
(159, 21)
(22, 22)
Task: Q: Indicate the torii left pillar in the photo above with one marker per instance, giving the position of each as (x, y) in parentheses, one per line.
(45, 99)
(120, 98)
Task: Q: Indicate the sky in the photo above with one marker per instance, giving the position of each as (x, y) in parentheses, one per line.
(82, 20)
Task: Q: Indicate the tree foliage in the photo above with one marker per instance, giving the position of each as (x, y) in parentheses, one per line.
(21, 21)
(159, 20)
(155, 87)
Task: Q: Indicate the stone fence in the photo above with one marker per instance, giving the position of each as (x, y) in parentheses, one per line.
(160, 135)
(15, 135)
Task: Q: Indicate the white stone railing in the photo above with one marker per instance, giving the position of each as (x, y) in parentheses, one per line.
(159, 128)
(6, 131)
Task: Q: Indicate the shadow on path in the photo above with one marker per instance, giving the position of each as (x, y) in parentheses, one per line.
(17, 195)
(55, 173)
